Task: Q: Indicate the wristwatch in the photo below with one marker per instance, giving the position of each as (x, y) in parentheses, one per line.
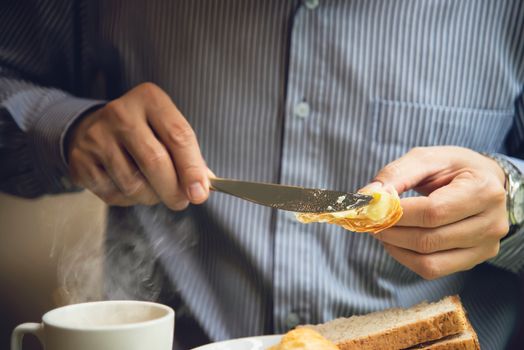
(514, 192)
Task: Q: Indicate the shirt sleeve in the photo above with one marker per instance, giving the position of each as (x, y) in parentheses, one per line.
(511, 254)
(37, 102)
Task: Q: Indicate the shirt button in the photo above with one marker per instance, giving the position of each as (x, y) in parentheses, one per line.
(302, 110)
(311, 4)
(292, 320)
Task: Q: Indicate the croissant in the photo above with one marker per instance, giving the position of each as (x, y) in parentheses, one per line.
(382, 212)
(304, 339)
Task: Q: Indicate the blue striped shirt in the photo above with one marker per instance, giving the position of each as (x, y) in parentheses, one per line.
(318, 94)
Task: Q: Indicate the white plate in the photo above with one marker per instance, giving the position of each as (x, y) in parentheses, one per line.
(250, 343)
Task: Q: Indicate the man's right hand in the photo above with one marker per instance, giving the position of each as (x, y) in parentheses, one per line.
(139, 149)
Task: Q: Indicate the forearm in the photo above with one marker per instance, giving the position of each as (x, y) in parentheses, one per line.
(37, 76)
(33, 124)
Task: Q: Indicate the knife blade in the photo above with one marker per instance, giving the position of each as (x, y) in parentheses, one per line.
(291, 198)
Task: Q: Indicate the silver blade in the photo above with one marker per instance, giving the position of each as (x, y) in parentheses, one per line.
(292, 198)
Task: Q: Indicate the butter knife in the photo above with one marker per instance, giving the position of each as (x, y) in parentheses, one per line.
(291, 198)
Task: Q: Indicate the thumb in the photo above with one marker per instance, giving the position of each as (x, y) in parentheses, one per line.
(410, 170)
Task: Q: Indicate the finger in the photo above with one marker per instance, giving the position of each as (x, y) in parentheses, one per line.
(155, 164)
(436, 265)
(409, 170)
(372, 187)
(467, 233)
(460, 199)
(179, 138)
(94, 178)
(127, 177)
(88, 173)
(210, 174)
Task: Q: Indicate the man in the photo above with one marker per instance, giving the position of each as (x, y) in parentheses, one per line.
(329, 94)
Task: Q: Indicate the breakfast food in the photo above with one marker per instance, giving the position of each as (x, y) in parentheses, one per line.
(398, 328)
(466, 340)
(382, 212)
(442, 325)
(304, 339)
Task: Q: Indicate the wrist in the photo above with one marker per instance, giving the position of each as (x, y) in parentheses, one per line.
(514, 185)
(497, 170)
(54, 113)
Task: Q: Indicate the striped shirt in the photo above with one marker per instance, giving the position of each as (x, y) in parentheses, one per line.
(314, 93)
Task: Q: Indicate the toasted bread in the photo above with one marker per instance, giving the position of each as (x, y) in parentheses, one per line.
(400, 328)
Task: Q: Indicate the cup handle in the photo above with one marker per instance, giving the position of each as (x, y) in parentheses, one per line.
(23, 329)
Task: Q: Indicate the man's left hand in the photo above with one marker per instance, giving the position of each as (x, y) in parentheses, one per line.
(461, 217)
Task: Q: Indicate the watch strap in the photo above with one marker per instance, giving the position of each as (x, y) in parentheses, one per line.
(512, 176)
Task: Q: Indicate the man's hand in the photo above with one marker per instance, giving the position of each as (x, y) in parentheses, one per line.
(459, 221)
(139, 149)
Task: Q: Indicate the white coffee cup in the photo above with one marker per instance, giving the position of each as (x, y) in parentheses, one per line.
(103, 325)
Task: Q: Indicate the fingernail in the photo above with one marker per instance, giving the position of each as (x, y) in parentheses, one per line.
(197, 192)
(372, 186)
(389, 188)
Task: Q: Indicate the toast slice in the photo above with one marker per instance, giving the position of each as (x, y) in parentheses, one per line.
(466, 340)
(398, 328)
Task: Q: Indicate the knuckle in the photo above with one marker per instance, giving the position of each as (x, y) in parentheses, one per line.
(429, 269)
(115, 108)
(131, 186)
(92, 137)
(149, 88)
(432, 216)
(488, 186)
(427, 243)
(153, 95)
(500, 228)
(120, 117)
(390, 171)
(155, 158)
(180, 134)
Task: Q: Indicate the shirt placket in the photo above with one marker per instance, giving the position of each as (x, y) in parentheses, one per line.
(293, 255)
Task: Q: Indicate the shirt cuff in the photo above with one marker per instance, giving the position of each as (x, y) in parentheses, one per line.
(519, 163)
(48, 138)
(511, 253)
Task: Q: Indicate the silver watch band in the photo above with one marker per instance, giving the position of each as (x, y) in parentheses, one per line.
(512, 175)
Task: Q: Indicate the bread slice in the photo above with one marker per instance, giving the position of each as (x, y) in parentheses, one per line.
(466, 340)
(397, 328)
